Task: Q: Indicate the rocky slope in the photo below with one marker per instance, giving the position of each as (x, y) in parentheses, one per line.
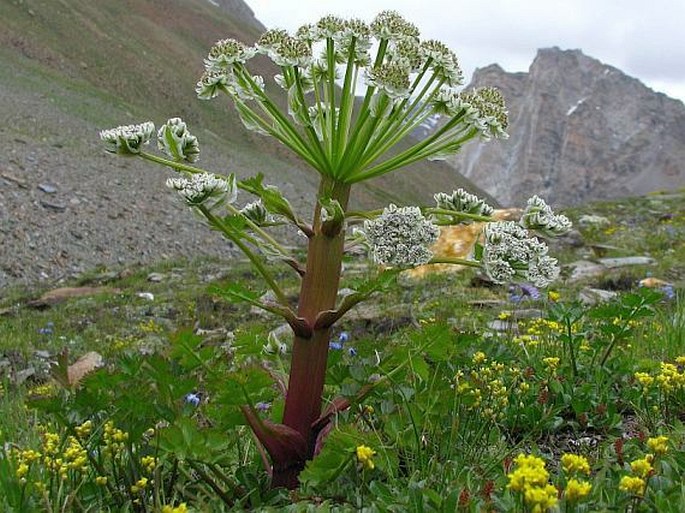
(579, 130)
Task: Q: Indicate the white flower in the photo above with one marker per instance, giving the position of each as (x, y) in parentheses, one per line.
(227, 52)
(443, 61)
(538, 216)
(485, 111)
(210, 83)
(127, 139)
(510, 255)
(391, 77)
(174, 139)
(202, 188)
(257, 213)
(462, 201)
(401, 237)
(391, 25)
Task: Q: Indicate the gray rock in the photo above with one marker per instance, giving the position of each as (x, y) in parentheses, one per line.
(47, 188)
(155, 277)
(612, 263)
(583, 269)
(24, 374)
(590, 296)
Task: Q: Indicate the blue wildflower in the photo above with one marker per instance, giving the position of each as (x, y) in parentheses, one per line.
(48, 329)
(352, 351)
(262, 406)
(193, 398)
(335, 345)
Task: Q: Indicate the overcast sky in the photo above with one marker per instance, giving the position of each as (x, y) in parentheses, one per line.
(643, 38)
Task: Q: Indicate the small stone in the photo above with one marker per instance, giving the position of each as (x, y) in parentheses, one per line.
(146, 295)
(47, 188)
(590, 296)
(611, 263)
(23, 375)
(155, 277)
(57, 207)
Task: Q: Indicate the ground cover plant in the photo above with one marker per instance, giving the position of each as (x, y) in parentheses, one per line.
(426, 413)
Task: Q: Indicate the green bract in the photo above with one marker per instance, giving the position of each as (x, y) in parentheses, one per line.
(322, 66)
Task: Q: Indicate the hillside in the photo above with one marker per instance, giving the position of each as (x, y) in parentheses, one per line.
(79, 66)
(580, 130)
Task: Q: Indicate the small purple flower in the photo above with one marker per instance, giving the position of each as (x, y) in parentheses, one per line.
(668, 291)
(193, 398)
(522, 291)
(335, 345)
(352, 351)
(262, 406)
(343, 337)
(48, 329)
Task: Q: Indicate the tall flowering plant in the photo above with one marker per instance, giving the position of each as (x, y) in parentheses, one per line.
(347, 138)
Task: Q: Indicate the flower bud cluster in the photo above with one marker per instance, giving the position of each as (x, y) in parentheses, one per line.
(401, 237)
(227, 52)
(485, 111)
(174, 139)
(391, 25)
(257, 213)
(510, 255)
(128, 139)
(462, 201)
(443, 61)
(539, 217)
(199, 188)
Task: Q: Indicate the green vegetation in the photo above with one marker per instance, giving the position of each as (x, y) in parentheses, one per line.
(451, 403)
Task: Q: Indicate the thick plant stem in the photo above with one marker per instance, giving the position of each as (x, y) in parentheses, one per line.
(308, 364)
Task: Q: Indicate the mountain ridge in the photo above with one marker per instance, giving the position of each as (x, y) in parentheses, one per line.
(579, 130)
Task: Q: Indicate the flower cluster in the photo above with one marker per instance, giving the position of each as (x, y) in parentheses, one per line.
(174, 139)
(510, 255)
(531, 478)
(485, 111)
(201, 187)
(461, 201)
(365, 457)
(128, 139)
(539, 217)
(668, 380)
(401, 237)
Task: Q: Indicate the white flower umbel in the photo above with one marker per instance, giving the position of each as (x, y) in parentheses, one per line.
(322, 65)
(205, 189)
(401, 237)
(128, 139)
(510, 255)
(174, 139)
(539, 217)
(463, 202)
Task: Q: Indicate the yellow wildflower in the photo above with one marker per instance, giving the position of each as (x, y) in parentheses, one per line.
(575, 463)
(540, 498)
(658, 445)
(644, 379)
(529, 472)
(479, 357)
(101, 480)
(22, 470)
(552, 362)
(576, 490)
(181, 508)
(634, 485)
(642, 467)
(365, 456)
(553, 296)
(83, 430)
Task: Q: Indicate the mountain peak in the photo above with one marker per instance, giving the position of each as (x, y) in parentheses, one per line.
(579, 130)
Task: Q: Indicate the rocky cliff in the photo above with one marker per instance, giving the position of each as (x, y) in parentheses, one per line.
(579, 130)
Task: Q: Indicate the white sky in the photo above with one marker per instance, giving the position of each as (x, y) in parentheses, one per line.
(644, 39)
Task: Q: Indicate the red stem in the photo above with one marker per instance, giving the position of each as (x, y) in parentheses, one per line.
(309, 357)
